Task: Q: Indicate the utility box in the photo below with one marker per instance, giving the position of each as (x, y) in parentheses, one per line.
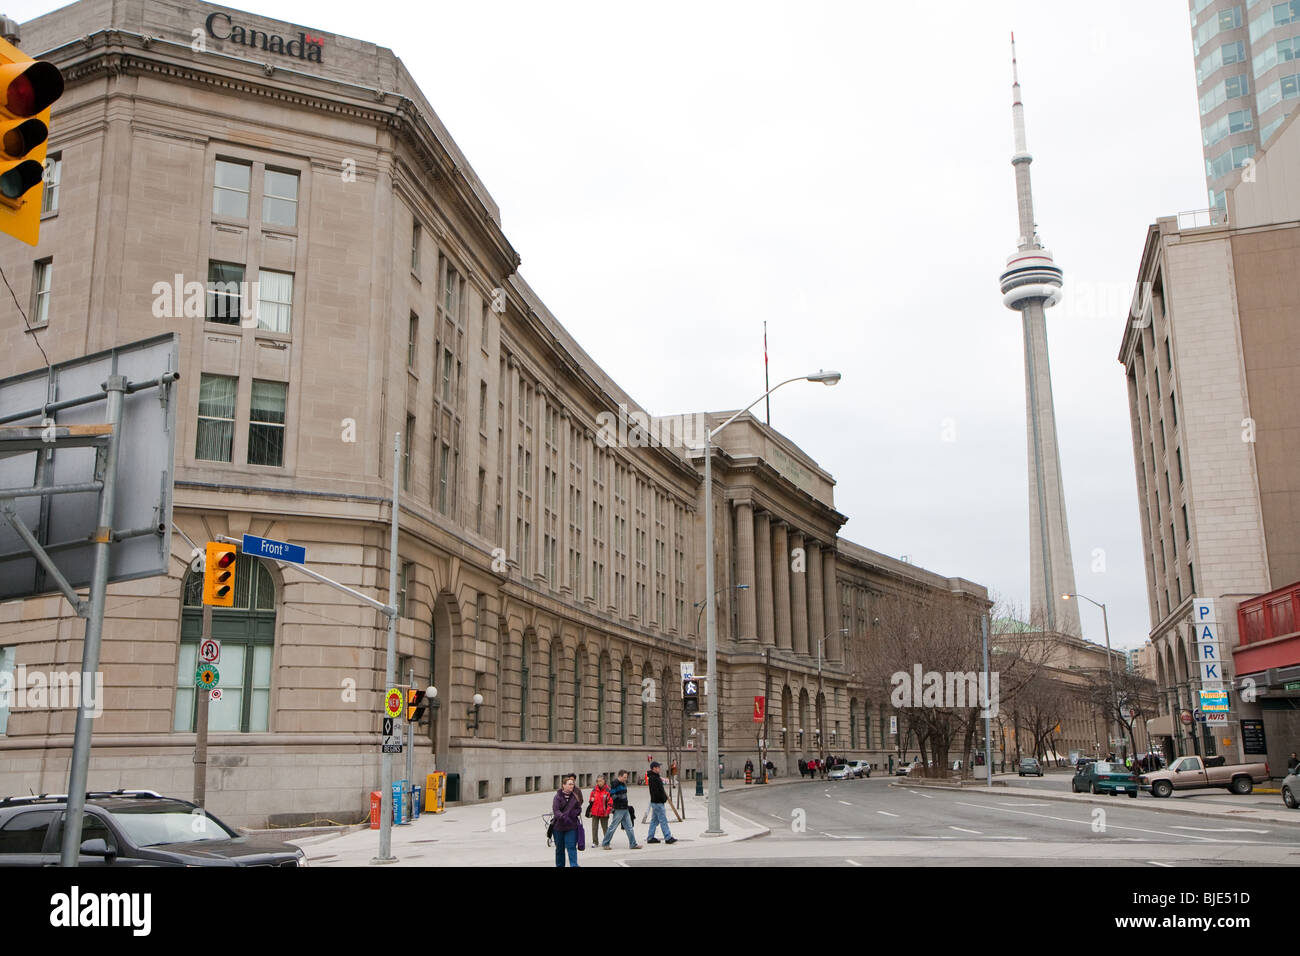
(435, 786)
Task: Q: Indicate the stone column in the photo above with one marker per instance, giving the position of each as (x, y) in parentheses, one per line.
(763, 578)
(817, 625)
(830, 596)
(781, 584)
(745, 571)
(799, 600)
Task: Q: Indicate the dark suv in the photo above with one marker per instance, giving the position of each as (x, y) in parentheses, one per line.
(132, 828)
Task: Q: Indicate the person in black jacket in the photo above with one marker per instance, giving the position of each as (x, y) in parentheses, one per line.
(622, 813)
(658, 797)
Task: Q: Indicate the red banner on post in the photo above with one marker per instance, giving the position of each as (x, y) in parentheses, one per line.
(760, 703)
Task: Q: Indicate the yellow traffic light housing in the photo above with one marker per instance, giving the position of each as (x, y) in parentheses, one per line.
(219, 575)
(28, 88)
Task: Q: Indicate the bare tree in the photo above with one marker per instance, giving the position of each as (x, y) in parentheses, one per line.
(1130, 701)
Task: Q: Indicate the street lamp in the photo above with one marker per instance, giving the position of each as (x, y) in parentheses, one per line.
(711, 622)
(1110, 660)
(700, 604)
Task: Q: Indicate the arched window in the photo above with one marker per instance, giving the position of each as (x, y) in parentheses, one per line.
(625, 678)
(645, 706)
(602, 667)
(525, 675)
(247, 635)
(577, 695)
(551, 672)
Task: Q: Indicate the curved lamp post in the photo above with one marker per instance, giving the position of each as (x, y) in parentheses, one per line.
(711, 622)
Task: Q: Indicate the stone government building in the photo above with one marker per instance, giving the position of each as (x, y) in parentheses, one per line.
(382, 296)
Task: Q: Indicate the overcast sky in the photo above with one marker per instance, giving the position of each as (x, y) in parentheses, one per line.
(675, 174)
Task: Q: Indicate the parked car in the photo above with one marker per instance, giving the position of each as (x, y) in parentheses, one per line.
(860, 768)
(1291, 789)
(842, 772)
(1030, 766)
(1196, 773)
(132, 828)
(1100, 776)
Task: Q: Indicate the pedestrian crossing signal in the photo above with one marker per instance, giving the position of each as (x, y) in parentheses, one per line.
(414, 705)
(219, 575)
(28, 88)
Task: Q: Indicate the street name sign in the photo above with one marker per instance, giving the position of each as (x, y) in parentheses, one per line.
(270, 548)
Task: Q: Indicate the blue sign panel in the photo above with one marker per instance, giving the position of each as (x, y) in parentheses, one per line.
(280, 550)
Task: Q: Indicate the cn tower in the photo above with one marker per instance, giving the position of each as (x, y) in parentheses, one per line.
(1030, 284)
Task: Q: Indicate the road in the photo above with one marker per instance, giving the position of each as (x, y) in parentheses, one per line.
(869, 823)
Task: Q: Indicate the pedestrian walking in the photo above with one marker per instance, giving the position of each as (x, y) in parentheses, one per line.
(566, 810)
(623, 813)
(658, 814)
(1292, 763)
(599, 805)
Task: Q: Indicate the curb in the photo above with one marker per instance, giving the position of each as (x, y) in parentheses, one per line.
(1162, 806)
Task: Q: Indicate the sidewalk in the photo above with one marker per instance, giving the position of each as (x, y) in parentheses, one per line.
(1173, 805)
(510, 832)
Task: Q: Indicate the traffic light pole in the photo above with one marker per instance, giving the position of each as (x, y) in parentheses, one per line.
(79, 770)
(410, 745)
(390, 674)
(201, 722)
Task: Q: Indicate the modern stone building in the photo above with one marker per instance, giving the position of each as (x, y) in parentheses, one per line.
(553, 571)
(1212, 354)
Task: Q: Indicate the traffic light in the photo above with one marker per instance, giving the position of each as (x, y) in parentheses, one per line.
(691, 695)
(27, 89)
(219, 575)
(414, 705)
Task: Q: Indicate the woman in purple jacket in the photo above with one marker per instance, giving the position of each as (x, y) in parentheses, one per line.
(566, 813)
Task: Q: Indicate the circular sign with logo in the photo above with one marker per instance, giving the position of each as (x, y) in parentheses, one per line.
(1186, 717)
(207, 676)
(393, 702)
(214, 694)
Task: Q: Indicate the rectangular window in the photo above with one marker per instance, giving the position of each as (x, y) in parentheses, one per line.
(444, 476)
(266, 423)
(482, 407)
(274, 300)
(403, 587)
(42, 278)
(483, 332)
(482, 492)
(225, 282)
(447, 359)
(216, 418)
(230, 191)
(408, 440)
(1187, 527)
(451, 294)
(50, 193)
(415, 248)
(412, 339)
(280, 199)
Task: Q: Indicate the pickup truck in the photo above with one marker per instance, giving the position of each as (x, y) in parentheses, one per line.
(1192, 773)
